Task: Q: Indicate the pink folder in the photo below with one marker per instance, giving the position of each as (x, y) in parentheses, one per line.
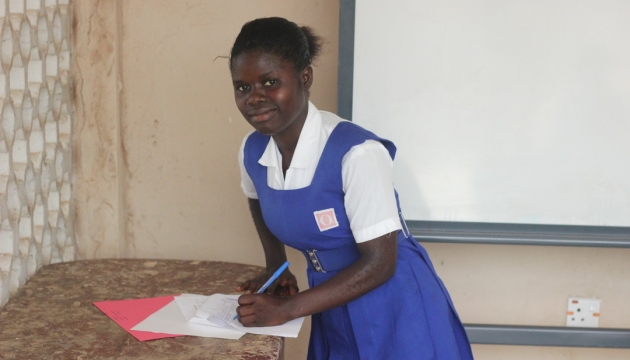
(128, 313)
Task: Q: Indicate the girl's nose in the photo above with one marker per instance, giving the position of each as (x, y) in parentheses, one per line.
(258, 95)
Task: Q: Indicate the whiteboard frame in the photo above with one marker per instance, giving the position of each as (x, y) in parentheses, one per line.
(471, 232)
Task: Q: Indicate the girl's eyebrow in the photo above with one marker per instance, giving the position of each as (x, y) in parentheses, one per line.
(262, 76)
(265, 74)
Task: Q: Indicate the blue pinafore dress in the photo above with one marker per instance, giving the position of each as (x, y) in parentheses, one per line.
(411, 316)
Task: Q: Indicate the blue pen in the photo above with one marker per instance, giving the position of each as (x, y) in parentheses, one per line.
(270, 281)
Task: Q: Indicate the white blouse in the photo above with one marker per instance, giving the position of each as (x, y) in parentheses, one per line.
(366, 174)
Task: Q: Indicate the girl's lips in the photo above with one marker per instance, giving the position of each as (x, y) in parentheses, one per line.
(261, 115)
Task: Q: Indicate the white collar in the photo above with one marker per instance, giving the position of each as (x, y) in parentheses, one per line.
(308, 144)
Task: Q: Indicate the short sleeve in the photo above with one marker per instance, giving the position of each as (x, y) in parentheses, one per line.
(246, 182)
(367, 172)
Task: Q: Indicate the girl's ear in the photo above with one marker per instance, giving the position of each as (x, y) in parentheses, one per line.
(307, 77)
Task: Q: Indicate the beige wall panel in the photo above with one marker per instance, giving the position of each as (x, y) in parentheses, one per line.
(181, 129)
(96, 145)
(530, 285)
(501, 352)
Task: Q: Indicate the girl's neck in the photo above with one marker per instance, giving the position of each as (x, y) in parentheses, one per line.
(287, 140)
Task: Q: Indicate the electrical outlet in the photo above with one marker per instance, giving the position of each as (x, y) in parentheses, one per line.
(583, 312)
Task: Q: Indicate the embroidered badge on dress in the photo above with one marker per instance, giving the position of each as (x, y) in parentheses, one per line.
(326, 219)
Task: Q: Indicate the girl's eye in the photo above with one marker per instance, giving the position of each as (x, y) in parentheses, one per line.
(270, 82)
(242, 88)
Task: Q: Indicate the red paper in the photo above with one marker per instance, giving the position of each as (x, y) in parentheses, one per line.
(129, 313)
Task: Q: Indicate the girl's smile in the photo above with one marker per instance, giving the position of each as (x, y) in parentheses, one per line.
(261, 115)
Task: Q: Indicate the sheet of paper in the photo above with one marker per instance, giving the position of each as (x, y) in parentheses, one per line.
(128, 313)
(189, 303)
(289, 329)
(220, 307)
(171, 320)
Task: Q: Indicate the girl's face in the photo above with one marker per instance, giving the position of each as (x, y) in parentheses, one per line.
(270, 94)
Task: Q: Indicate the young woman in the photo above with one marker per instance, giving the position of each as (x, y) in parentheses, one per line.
(324, 186)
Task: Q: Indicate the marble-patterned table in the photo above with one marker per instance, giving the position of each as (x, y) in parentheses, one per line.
(52, 316)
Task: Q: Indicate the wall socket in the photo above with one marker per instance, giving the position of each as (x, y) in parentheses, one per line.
(583, 312)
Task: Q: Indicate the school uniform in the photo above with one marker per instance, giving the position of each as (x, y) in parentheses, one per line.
(338, 191)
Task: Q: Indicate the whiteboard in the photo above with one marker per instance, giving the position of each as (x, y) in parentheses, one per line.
(502, 111)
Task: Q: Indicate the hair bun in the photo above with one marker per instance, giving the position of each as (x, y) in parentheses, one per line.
(278, 36)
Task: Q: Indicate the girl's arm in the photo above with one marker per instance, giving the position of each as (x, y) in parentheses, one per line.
(376, 264)
(275, 256)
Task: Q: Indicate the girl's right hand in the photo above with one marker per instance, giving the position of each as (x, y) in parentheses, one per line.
(285, 285)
